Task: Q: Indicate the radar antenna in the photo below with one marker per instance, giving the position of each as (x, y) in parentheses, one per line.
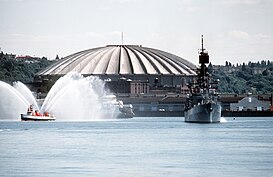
(202, 49)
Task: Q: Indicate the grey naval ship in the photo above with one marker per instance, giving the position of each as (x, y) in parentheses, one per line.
(202, 105)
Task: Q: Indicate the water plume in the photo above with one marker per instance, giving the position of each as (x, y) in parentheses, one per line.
(12, 103)
(223, 120)
(26, 93)
(72, 97)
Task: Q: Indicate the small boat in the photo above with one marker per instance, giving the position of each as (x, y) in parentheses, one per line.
(113, 108)
(126, 111)
(32, 115)
(25, 117)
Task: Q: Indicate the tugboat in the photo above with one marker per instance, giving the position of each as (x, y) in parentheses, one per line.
(113, 108)
(32, 115)
(126, 111)
(202, 105)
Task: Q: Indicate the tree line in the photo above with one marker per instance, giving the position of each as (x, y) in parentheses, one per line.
(253, 77)
(20, 69)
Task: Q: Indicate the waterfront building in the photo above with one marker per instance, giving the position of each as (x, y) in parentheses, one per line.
(250, 103)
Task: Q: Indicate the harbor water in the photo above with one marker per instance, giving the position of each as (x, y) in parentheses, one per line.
(148, 147)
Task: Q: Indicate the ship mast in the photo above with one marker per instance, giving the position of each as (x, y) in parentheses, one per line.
(203, 60)
(202, 42)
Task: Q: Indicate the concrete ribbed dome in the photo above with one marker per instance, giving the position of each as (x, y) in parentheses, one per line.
(121, 59)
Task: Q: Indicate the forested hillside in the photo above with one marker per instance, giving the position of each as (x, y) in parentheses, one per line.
(20, 69)
(256, 78)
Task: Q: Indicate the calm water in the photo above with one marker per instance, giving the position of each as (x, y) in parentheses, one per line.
(137, 147)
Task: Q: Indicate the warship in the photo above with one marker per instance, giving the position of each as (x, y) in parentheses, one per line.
(202, 105)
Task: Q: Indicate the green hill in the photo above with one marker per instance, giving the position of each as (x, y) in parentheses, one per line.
(12, 69)
(256, 78)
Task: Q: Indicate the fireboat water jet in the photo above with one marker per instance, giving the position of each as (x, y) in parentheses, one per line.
(72, 97)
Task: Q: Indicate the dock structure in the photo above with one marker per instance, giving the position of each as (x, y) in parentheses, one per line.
(172, 105)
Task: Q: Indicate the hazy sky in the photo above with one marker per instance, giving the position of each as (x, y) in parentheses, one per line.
(234, 30)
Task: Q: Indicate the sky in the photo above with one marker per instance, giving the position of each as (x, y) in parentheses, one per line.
(234, 30)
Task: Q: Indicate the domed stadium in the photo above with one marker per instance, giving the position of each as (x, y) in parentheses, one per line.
(132, 62)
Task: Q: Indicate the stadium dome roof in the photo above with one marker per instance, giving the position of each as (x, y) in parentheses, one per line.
(121, 59)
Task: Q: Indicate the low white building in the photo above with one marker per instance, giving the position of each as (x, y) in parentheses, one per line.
(249, 104)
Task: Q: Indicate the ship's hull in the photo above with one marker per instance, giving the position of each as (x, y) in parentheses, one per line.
(204, 113)
(25, 117)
